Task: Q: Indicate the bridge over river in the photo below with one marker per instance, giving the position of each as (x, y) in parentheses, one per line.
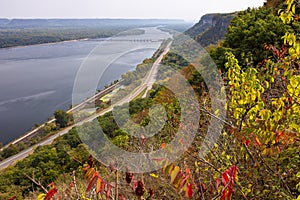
(130, 40)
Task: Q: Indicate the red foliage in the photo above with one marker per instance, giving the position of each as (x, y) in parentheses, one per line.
(90, 161)
(203, 187)
(217, 183)
(279, 54)
(102, 187)
(50, 194)
(158, 159)
(183, 182)
(51, 185)
(151, 192)
(228, 179)
(246, 142)
(139, 188)
(129, 177)
(121, 197)
(189, 191)
(92, 181)
(178, 179)
(257, 142)
(72, 184)
(109, 187)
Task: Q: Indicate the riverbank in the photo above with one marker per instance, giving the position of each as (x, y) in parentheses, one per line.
(146, 84)
(48, 43)
(38, 134)
(28, 37)
(46, 75)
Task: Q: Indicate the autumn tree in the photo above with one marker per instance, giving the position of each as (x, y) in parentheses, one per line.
(247, 34)
(62, 118)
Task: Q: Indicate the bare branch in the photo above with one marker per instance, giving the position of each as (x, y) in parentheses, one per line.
(75, 186)
(37, 183)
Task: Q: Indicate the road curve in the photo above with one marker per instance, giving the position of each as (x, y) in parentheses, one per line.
(147, 84)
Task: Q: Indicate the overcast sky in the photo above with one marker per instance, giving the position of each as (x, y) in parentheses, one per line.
(190, 10)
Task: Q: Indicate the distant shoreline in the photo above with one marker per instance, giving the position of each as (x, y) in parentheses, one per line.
(60, 42)
(23, 38)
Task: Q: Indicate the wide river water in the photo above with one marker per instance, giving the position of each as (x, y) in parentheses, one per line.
(37, 80)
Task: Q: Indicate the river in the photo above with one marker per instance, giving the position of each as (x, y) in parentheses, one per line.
(37, 80)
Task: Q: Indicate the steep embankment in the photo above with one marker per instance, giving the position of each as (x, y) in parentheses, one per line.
(211, 28)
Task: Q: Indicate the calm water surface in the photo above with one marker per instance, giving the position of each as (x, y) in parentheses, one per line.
(37, 80)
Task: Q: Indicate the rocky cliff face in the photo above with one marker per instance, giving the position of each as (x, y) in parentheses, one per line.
(211, 28)
(204, 23)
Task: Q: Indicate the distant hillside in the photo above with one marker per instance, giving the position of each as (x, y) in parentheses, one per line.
(20, 32)
(211, 28)
(91, 23)
(4, 22)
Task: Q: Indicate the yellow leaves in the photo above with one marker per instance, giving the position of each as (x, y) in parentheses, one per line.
(294, 92)
(90, 172)
(168, 168)
(179, 178)
(236, 113)
(265, 114)
(246, 88)
(174, 173)
(257, 141)
(289, 4)
(197, 167)
(294, 87)
(287, 15)
(223, 89)
(251, 90)
(248, 189)
(294, 9)
(232, 61)
(267, 84)
(41, 197)
(217, 112)
(154, 175)
(253, 95)
(295, 52)
(297, 49)
(289, 38)
(277, 115)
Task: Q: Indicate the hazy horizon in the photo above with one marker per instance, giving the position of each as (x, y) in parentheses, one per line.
(188, 10)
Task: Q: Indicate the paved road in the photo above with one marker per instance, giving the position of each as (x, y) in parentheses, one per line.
(89, 100)
(147, 84)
